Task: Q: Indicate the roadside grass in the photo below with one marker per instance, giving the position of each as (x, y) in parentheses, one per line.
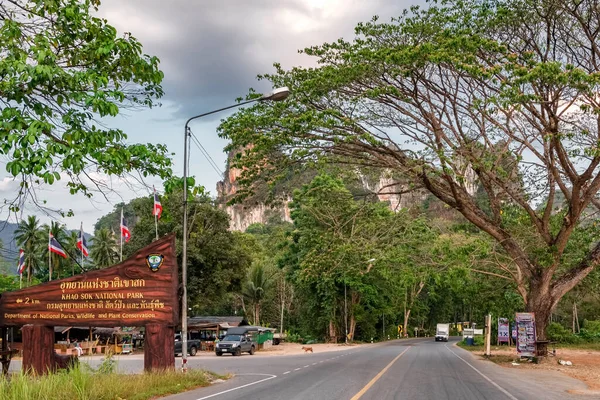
(578, 346)
(479, 347)
(81, 384)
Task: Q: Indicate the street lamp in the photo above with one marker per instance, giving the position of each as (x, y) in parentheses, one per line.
(276, 95)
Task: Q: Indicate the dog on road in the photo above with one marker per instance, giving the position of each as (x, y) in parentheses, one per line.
(307, 349)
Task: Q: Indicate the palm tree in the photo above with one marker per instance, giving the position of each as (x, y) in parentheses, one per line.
(103, 249)
(31, 239)
(255, 287)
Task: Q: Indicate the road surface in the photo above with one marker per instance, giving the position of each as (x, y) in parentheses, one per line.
(399, 369)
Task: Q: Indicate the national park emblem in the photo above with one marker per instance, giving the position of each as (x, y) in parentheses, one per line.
(154, 261)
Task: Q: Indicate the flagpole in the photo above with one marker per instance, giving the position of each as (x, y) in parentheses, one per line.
(121, 229)
(49, 252)
(154, 211)
(21, 280)
(81, 233)
(156, 223)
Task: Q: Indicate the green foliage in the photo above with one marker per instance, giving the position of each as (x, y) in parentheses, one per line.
(558, 333)
(217, 258)
(104, 250)
(593, 327)
(8, 283)
(62, 70)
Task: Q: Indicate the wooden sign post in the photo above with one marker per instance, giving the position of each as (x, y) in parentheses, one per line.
(140, 291)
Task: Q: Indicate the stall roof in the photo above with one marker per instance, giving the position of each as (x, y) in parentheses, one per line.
(214, 321)
(244, 329)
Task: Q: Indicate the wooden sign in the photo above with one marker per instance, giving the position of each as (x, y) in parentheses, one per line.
(141, 290)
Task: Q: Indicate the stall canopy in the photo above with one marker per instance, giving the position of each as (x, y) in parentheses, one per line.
(215, 323)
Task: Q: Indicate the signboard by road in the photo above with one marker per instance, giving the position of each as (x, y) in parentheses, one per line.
(138, 291)
(526, 335)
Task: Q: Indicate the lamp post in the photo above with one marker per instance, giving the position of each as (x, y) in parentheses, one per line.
(276, 95)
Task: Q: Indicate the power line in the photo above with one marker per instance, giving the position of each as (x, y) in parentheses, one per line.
(206, 155)
(204, 152)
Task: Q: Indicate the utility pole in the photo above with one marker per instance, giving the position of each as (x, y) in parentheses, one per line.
(488, 334)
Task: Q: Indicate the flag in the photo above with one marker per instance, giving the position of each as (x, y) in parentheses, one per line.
(21, 266)
(55, 247)
(157, 210)
(125, 232)
(81, 243)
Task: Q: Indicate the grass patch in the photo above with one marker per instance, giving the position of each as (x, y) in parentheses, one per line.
(81, 384)
(578, 346)
(476, 347)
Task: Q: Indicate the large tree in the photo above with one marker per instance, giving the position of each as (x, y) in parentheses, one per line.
(496, 94)
(62, 69)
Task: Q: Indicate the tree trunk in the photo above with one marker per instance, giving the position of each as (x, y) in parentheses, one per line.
(332, 332)
(541, 303)
(256, 313)
(352, 326)
(354, 301)
(405, 325)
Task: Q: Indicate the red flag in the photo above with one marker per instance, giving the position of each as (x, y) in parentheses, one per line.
(157, 210)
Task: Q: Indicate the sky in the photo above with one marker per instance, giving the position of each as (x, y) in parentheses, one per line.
(211, 52)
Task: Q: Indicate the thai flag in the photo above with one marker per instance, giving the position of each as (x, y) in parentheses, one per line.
(55, 247)
(125, 232)
(157, 210)
(21, 266)
(81, 243)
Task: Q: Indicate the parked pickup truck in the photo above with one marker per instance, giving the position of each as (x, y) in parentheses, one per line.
(192, 345)
(236, 342)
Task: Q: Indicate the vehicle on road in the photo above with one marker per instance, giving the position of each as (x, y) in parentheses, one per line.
(236, 342)
(278, 338)
(192, 345)
(442, 332)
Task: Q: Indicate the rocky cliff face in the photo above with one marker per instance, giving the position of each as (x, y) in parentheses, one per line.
(251, 211)
(243, 215)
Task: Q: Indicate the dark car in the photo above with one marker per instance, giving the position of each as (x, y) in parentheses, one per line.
(192, 345)
(236, 344)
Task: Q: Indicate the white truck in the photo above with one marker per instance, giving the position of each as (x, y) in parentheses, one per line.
(442, 332)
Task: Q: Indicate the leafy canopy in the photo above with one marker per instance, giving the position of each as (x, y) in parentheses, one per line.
(62, 70)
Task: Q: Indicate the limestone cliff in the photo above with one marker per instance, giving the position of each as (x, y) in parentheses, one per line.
(387, 187)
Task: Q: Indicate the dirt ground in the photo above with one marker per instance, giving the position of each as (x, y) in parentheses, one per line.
(586, 363)
(296, 348)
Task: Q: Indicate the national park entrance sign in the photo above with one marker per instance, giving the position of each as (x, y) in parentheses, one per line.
(140, 291)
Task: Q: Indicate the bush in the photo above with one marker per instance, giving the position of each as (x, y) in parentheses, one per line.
(558, 333)
(592, 327)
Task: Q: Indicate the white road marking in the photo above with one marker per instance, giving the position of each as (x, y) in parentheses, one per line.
(314, 363)
(297, 369)
(306, 366)
(286, 372)
(510, 396)
(240, 387)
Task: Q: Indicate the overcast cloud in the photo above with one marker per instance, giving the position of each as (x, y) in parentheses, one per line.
(211, 52)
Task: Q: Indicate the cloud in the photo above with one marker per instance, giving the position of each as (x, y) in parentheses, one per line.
(56, 197)
(212, 50)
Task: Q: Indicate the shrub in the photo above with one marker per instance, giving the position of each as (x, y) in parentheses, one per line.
(558, 333)
(592, 327)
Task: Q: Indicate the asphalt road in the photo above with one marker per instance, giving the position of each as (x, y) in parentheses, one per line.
(399, 369)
